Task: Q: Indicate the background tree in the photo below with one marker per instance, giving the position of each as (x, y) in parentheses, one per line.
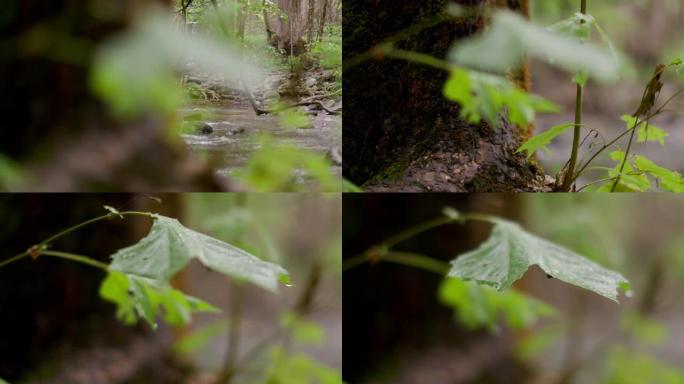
(400, 128)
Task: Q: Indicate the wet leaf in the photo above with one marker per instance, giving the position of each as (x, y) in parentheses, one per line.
(510, 251)
(170, 246)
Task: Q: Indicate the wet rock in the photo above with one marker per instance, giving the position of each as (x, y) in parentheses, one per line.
(235, 131)
(206, 129)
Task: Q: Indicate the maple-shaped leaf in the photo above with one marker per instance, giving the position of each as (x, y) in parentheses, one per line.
(170, 246)
(510, 251)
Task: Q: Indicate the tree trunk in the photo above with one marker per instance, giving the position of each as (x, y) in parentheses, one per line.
(310, 22)
(321, 20)
(64, 132)
(288, 31)
(242, 11)
(400, 133)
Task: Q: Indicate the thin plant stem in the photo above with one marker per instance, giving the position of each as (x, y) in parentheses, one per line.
(91, 221)
(579, 102)
(78, 258)
(417, 261)
(13, 259)
(41, 247)
(381, 250)
(608, 145)
(624, 160)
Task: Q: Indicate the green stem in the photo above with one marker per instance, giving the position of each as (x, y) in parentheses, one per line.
(417, 261)
(382, 250)
(78, 258)
(624, 160)
(13, 259)
(579, 101)
(43, 244)
(91, 221)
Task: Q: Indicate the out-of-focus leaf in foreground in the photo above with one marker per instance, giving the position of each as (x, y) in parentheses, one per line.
(510, 37)
(135, 71)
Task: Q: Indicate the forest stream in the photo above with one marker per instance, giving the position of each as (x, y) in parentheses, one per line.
(236, 131)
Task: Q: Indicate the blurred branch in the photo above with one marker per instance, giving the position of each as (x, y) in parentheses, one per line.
(302, 306)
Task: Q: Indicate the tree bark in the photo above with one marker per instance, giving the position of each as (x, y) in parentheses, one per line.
(400, 133)
(288, 32)
(310, 22)
(65, 136)
(321, 20)
(241, 19)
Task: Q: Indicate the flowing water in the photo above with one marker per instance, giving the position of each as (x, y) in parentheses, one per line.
(236, 129)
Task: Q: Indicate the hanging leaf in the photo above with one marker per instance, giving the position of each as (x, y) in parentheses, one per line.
(510, 251)
(646, 132)
(543, 139)
(169, 247)
(138, 297)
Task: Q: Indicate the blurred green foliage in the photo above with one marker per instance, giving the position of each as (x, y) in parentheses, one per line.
(628, 366)
(295, 368)
(478, 306)
(139, 297)
(275, 167)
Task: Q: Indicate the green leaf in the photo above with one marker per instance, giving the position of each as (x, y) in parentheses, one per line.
(669, 180)
(136, 71)
(3, 381)
(510, 251)
(578, 26)
(169, 247)
(510, 37)
(543, 139)
(349, 187)
(630, 179)
(485, 96)
(580, 78)
(646, 132)
(480, 306)
(138, 297)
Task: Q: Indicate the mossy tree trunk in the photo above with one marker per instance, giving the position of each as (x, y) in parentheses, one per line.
(400, 134)
(57, 128)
